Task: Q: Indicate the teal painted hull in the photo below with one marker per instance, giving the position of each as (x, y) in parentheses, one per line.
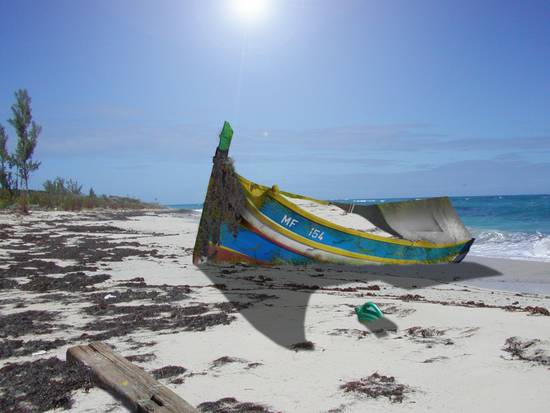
(322, 234)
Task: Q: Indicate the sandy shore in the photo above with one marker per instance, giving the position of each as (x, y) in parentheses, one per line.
(468, 337)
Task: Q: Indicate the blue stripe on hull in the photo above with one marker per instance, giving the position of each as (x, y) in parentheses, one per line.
(306, 228)
(259, 248)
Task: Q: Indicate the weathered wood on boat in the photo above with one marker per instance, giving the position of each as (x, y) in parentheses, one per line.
(136, 388)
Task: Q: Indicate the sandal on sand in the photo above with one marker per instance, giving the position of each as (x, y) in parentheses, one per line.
(368, 312)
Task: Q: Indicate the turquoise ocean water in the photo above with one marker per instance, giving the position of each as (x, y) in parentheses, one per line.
(507, 226)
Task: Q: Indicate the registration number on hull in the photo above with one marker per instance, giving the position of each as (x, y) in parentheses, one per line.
(313, 233)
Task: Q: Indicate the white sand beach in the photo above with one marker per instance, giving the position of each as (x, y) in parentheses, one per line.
(471, 337)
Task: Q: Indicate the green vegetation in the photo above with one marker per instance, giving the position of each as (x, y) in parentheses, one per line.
(16, 169)
(27, 131)
(67, 195)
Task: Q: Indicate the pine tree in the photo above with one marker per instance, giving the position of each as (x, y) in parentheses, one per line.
(27, 132)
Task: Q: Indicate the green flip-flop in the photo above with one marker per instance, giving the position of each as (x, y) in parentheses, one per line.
(368, 312)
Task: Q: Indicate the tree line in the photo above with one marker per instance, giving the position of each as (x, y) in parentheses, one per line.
(16, 169)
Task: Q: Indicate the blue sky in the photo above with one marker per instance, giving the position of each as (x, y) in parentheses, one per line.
(335, 99)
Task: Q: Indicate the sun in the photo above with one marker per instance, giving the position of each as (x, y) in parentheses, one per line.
(250, 10)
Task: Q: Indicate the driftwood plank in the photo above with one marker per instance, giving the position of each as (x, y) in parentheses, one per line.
(137, 389)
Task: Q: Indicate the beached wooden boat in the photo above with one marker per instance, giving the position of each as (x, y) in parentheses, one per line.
(250, 223)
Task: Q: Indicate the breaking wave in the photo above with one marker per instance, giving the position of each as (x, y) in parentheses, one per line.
(515, 245)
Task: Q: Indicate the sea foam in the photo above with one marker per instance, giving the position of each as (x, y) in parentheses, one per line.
(516, 245)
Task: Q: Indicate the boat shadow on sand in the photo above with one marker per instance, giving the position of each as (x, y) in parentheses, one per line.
(274, 300)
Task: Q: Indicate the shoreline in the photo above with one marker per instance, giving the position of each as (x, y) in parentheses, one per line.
(520, 276)
(238, 332)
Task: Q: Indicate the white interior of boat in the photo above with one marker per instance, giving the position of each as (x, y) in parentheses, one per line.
(339, 216)
(433, 219)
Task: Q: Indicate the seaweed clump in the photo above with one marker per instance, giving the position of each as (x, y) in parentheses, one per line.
(27, 322)
(226, 360)
(41, 385)
(424, 332)
(377, 385)
(141, 358)
(538, 310)
(429, 336)
(232, 405)
(535, 350)
(305, 345)
(167, 372)
(77, 281)
(151, 317)
(411, 297)
(10, 348)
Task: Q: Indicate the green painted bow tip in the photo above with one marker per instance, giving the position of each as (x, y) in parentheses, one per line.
(225, 137)
(368, 312)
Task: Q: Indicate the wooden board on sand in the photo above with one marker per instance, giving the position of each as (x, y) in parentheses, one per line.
(136, 388)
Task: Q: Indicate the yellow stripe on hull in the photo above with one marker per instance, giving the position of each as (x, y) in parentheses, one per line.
(350, 257)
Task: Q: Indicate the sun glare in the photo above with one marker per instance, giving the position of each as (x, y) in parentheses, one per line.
(250, 10)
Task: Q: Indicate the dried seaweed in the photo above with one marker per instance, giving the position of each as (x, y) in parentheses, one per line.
(232, 405)
(377, 385)
(97, 229)
(88, 251)
(295, 286)
(535, 350)
(537, 310)
(27, 265)
(350, 332)
(141, 358)
(424, 332)
(134, 344)
(106, 309)
(26, 322)
(411, 297)
(373, 287)
(429, 336)
(10, 348)
(305, 345)
(157, 293)
(222, 361)
(151, 318)
(167, 372)
(77, 281)
(40, 385)
(6, 284)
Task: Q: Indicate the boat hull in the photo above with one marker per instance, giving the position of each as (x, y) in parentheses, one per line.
(274, 234)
